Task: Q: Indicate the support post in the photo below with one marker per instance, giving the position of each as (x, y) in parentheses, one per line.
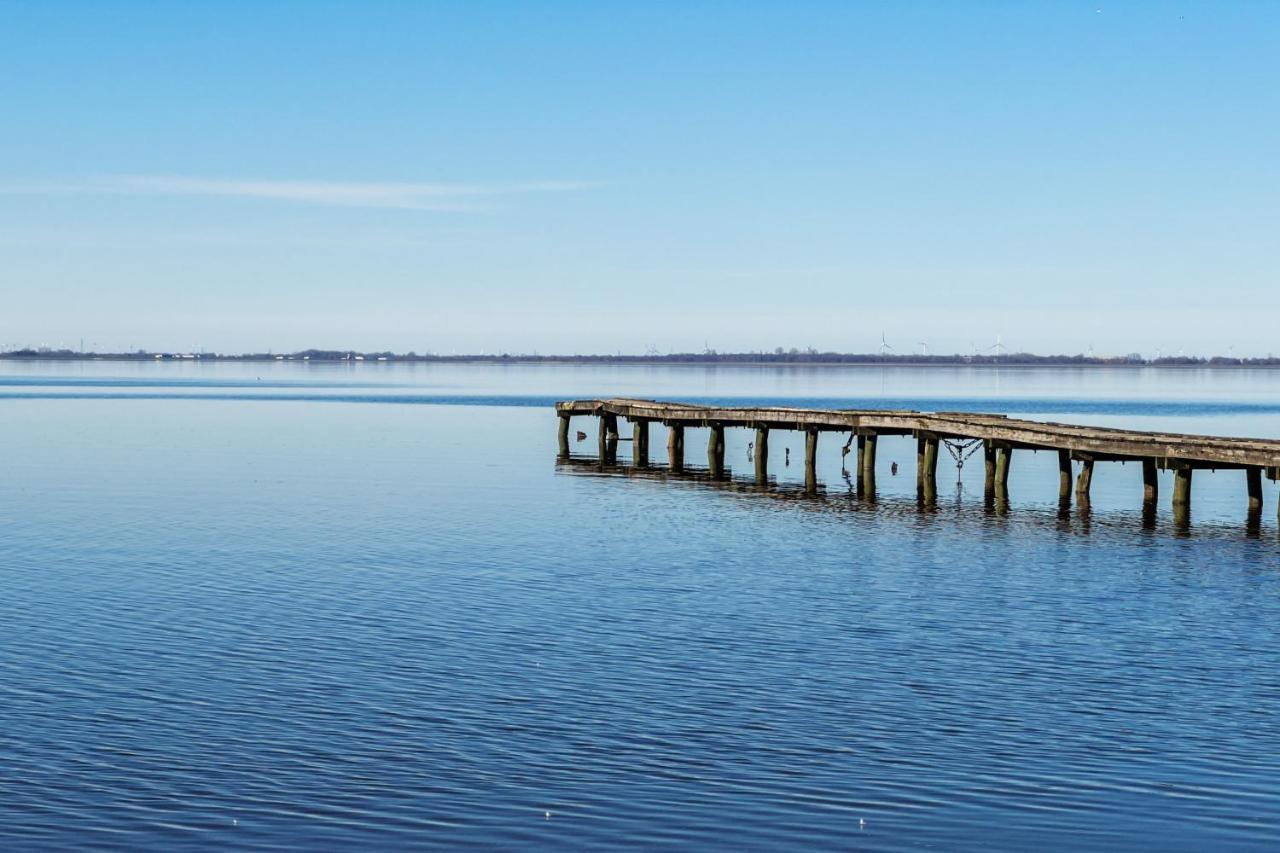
(811, 461)
(1004, 456)
(868, 458)
(675, 447)
(1064, 476)
(919, 466)
(1150, 482)
(929, 469)
(715, 451)
(762, 455)
(640, 441)
(1182, 498)
(608, 438)
(1085, 480)
(1254, 479)
(564, 435)
(989, 479)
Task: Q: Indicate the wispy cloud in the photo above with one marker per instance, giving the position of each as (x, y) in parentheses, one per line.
(399, 195)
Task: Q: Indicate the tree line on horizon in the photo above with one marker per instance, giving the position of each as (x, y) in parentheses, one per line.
(778, 356)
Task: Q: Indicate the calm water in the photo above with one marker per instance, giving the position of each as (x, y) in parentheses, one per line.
(294, 607)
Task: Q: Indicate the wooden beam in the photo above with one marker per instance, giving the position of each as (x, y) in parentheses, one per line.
(1004, 457)
(867, 456)
(762, 455)
(640, 441)
(1084, 481)
(811, 461)
(1253, 479)
(989, 479)
(675, 447)
(563, 436)
(1064, 475)
(929, 470)
(1182, 498)
(608, 438)
(715, 450)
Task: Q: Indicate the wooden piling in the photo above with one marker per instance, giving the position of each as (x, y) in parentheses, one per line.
(867, 456)
(608, 438)
(1085, 480)
(919, 465)
(762, 455)
(640, 441)
(859, 463)
(1182, 498)
(1064, 476)
(1253, 477)
(675, 446)
(1004, 456)
(564, 435)
(989, 478)
(811, 461)
(1150, 483)
(715, 450)
(929, 469)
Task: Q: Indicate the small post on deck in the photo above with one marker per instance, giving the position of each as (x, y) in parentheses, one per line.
(762, 455)
(675, 446)
(811, 460)
(929, 469)
(1064, 476)
(715, 450)
(867, 458)
(640, 441)
(1085, 480)
(1182, 498)
(564, 435)
(1254, 479)
(1150, 483)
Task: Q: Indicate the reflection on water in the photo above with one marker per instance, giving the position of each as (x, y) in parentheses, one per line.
(852, 496)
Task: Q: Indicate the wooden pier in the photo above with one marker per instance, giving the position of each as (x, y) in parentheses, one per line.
(1000, 436)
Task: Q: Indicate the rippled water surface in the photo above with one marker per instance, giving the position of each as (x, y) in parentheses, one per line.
(244, 607)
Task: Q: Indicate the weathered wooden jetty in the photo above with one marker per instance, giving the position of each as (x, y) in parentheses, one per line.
(1000, 436)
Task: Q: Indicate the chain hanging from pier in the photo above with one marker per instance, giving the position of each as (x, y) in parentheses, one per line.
(960, 451)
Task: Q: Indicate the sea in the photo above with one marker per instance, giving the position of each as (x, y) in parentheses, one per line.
(319, 606)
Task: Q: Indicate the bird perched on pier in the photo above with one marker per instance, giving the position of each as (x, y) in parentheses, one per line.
(893, 469)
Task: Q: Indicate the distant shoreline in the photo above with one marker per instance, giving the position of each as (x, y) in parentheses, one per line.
(755, 359)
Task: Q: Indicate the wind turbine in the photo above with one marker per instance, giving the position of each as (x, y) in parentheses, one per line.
(924, 347)
(884, 345)
(997, 347)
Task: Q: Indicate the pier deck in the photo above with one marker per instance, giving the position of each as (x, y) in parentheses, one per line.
(1001, 436)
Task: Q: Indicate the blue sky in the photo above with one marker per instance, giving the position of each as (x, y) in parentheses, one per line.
(600, 177)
